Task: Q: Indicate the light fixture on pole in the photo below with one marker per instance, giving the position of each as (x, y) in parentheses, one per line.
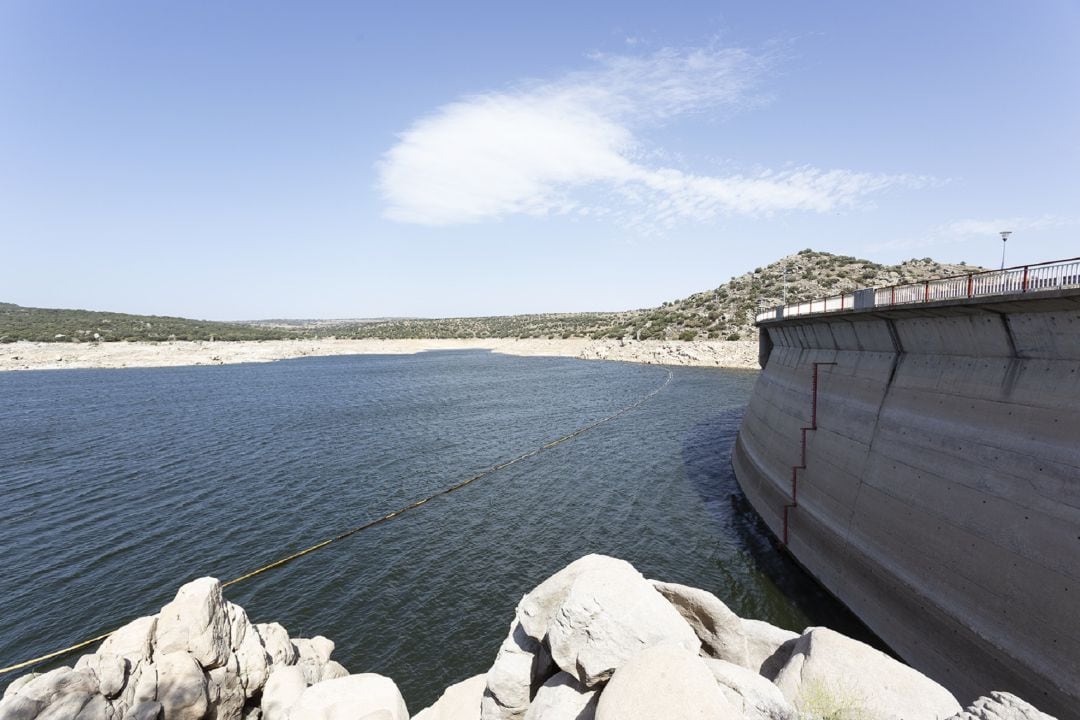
(1004, 238)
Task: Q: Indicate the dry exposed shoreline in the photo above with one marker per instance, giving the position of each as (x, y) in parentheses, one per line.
(59, 356)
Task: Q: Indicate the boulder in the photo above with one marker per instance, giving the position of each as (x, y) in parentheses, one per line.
(49, 688)
(751, 644)
(283, 689)
(754, 696)
(317, 648)
(520, 667)
(66, 706)
(239, 624)
(20, 707)
(277, 643)
(767, 647)
(1001, 706)
(333, 670)
(18, 683)
(357, 697)
(181, 686)
(830, 673)
(252, 660)
(226, 691)
(111, 671)
(197, 622)
(143, 683)
(712, 621)
(312, 656)
(134, 641)
(538, 607)
(563, 698)
(141, 687)
(150, 710)
(460, 701)
(664, 682)
(98, 708)
(608, 615)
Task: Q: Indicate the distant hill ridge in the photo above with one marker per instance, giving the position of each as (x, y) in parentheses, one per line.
(57, 325)
(726, 312)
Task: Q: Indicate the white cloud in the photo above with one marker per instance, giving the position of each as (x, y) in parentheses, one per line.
(496, 155)
(960, 231)
(969, 227)
(569, 145)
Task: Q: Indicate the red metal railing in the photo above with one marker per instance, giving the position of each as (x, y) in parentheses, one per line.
(1041, 277)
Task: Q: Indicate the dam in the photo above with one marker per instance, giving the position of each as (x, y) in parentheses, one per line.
(917, 449)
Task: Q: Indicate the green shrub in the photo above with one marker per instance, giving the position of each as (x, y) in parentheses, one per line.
(830, 702)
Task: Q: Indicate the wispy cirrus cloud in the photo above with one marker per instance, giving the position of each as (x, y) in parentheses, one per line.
(963, 230)
(575, 145)
(971, 227)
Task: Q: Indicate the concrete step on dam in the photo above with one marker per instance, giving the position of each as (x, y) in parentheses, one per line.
(922, 460)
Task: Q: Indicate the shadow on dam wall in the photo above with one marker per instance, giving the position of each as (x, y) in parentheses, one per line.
(765, 575)
(938, 492)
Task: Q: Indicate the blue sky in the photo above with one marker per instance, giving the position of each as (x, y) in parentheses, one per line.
(258, 159)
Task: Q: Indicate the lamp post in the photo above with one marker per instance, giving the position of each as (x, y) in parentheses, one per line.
(1004, 238)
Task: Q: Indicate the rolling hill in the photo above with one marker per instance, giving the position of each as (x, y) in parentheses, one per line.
(725, 312)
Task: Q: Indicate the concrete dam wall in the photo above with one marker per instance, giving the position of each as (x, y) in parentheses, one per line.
(938, 494)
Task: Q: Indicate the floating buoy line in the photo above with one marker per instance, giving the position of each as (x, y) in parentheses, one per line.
(378, 521)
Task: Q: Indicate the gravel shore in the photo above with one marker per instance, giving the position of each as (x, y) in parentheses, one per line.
(58, 356)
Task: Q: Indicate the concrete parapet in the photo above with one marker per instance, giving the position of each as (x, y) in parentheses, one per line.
(941, 494)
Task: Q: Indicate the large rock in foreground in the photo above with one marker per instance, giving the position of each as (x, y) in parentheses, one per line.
(521, 665)
(563, 698)
(595, 641)
(357, 697)
(664, 682)
(197, 622)
(752, 694)
(537, 609)
(751, 644)
(1001, 706)
(829, 673)
(200, 658)
(460, 701)
(609, 614)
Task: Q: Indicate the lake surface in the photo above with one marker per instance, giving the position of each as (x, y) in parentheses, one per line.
(120, 485)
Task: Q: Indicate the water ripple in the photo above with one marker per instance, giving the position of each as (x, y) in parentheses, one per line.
(120, 485)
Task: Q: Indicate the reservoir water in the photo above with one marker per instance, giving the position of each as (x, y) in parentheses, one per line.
(120, 485)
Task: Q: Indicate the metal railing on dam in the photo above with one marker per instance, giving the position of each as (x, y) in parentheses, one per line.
(1040, 277)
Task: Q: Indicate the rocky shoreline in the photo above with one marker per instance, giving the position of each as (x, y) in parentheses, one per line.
(595, 641)
(66, 355)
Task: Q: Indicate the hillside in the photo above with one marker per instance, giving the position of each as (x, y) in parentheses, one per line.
(501, 326)
(57, 325)
(726, 312)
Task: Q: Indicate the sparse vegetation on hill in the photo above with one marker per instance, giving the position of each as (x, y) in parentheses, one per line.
(563, 325)
(51, 325)
(726, 312)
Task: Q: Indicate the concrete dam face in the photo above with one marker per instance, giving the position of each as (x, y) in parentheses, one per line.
(930, 479)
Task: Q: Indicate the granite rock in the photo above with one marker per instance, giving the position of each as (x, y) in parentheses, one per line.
(664, 682)
(829, 672)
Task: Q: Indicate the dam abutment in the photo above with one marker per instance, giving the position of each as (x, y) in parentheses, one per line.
(937, 492)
